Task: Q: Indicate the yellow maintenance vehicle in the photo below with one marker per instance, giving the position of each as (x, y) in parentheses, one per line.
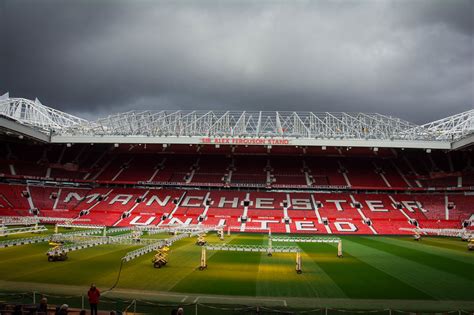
(470, 244)
(161, 257)
(55, 253)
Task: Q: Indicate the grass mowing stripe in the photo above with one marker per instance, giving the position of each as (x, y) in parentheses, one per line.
(316, 282)
(277, 276)
(359, 279)
(319, 280)
(83, 267)
(22, 253)
(227, 273)
(182, 262)
(452, 245)
(429, 259)
(434, 282)
(102, 269)
(463, 256)
(366, 271)
(183, 258)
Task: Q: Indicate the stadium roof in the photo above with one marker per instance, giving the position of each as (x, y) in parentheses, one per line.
(31, 118)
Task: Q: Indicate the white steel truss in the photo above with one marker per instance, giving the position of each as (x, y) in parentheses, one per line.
(248, 124)
(138, 125)
(450, 128)
(34, 114)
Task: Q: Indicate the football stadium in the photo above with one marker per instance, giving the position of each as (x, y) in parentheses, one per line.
(236, 212)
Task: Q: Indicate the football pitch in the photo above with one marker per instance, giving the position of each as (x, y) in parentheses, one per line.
(373, 268)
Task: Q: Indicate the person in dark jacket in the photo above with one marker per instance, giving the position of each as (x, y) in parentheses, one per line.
(94, 295)
(42, 307)
(63, 310)
(177, 311)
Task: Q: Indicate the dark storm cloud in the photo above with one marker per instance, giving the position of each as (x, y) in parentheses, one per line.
(412, 59)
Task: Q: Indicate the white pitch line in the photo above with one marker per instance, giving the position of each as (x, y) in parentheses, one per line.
(184, 299)
(195, 300)
(284, 303)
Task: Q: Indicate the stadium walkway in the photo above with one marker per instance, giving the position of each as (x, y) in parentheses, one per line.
(294, 302)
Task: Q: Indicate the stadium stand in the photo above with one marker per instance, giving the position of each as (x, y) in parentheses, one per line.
(337, 213)
(246, 170)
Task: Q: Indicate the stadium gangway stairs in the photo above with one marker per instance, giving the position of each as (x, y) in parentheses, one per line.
(302, 239)
(269, 250)
(18, 220)
(22, 230)
(157, 245)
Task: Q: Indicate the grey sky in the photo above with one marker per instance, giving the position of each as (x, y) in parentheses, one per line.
(412, 59)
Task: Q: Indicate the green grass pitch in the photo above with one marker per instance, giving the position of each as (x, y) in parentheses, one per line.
(373, 267)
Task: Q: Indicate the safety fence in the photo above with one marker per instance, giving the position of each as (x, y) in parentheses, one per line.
(133, 306)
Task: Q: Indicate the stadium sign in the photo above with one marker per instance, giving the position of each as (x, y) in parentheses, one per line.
(246, 141)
